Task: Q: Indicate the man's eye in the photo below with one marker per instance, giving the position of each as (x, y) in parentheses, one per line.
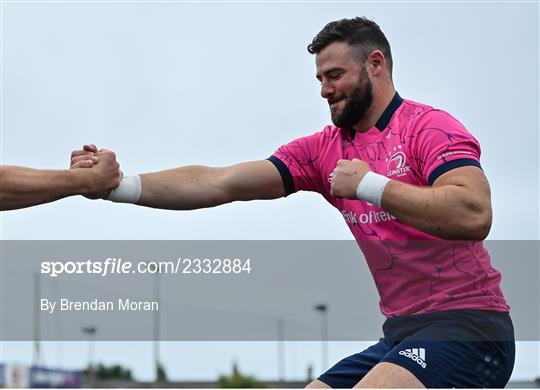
(335, 76)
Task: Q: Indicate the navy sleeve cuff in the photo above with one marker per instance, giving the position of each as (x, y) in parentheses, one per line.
(285, 173)
(448, 166)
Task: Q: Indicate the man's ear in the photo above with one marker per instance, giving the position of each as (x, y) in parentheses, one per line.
(376, 62)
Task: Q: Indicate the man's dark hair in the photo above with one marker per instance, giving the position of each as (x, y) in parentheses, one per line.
(361, 33)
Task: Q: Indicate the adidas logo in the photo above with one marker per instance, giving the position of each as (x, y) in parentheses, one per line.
(416, 354)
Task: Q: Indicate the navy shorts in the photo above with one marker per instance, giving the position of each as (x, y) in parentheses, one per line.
(458, 348)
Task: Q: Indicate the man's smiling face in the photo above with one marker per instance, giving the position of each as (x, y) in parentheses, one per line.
(345, 84)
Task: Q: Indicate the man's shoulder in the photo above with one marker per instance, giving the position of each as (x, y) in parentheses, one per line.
(326, 135)
(416, 110)
(423, 115)
(316, 142)
(331, 130)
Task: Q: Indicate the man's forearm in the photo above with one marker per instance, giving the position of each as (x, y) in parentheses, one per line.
(185, 188)
(196, 186)
(23, 187)
(457, 206)
(448, 211)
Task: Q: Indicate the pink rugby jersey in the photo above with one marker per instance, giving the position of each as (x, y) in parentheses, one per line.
(414, 272)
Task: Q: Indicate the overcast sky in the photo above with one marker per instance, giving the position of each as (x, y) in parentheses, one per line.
(166, 84)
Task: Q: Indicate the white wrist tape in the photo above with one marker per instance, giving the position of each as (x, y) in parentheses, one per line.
(129, 190)
(371, 188)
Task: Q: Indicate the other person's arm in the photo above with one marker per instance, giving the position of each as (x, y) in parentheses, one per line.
(24, 187)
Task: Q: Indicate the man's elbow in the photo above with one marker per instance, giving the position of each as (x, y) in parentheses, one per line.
(477, 226)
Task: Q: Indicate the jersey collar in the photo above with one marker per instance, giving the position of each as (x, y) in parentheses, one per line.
(384, 120)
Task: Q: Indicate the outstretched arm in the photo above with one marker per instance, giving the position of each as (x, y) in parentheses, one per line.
(24, 187)
(194, 187)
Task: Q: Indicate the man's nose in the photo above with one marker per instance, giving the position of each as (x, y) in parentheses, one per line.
(327, 89)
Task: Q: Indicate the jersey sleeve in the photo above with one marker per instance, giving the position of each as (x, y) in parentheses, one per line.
(440, 143)
(298, 162)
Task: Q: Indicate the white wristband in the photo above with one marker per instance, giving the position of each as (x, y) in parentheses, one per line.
(371, 188)
(129, 190)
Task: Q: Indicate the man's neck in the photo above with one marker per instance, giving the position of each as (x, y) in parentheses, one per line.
(381, 100)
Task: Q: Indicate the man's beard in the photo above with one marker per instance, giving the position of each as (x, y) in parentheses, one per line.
(357, 105)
